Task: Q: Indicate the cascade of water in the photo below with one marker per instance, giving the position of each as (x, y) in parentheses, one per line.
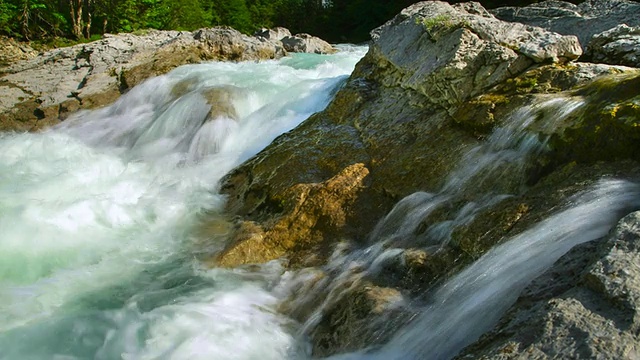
(471, 303)
(96, 248)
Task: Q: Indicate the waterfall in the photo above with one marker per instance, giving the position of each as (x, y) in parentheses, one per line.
(97, 245)
(99, 256)
(471, 303)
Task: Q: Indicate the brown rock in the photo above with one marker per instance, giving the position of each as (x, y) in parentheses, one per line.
(310, 215)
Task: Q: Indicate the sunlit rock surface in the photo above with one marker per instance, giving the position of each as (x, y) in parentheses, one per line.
(41, 91)
(482, 128)
(583, 20)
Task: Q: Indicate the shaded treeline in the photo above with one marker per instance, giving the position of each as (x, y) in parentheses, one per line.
(334, 20)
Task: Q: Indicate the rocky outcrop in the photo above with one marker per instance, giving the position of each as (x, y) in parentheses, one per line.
(617, 46)
(314, 214)
(583, 20)
(43, 90)
(422, 66)
(277, 33)
(437, 81)
(307, 44)
(585, 306)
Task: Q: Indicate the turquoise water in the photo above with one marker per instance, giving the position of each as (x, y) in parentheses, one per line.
(98, 259)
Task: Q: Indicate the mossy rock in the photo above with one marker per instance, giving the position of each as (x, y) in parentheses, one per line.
(607, 127)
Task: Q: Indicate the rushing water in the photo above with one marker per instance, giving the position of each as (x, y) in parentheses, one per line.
(97, 256)
(469, 304)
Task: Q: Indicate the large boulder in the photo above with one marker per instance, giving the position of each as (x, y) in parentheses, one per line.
(583, 20)
(44, 90)
(306, 43)
(425, 100)
(421, 66)
(585, 306)
(617, 46)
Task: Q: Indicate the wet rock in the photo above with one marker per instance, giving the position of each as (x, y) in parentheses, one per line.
(311, 214)
(437, 80)
(306, 43)
(421, 66)
(583, 20)
(585, 306)
(617, 46)
(362, 316)
(221, 100)
(606, 127)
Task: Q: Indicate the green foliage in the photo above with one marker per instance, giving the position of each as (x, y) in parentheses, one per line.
(333, 20)
(8, 13)
(442, 20)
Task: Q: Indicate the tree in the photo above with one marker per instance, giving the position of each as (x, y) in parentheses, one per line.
(75, 8)
(234, 13)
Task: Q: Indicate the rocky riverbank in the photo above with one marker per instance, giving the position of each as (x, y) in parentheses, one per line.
(37, 91)
(460, 129)
(437, 82)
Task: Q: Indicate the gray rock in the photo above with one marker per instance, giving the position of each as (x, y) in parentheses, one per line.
(44, 89)
(586, 307)
(399, 117)
(617, 46)
(435, 43)
(306, 43)
(277, 33)
(585, 20)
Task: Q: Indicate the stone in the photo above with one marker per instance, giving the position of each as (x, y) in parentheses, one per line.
(436, 82)
(306, 43)
(95, 74)
(617, 46)
(398, 102)
(276, 33)
(584, 20)
(585, 306)
(311, 214)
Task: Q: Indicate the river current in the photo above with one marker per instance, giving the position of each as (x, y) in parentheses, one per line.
(97, 254)
(100, 256)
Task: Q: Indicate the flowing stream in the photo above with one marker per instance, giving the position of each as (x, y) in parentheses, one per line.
(97, 253)
(99, 260)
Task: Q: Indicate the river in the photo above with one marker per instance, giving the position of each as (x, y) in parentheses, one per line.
(100, 256)
(98, 259)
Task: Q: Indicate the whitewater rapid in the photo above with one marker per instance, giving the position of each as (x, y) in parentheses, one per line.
(100, 256)
(98, 259)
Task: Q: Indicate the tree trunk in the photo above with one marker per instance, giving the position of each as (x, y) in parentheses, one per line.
(76, 17)
(89, 15)
(25, 20)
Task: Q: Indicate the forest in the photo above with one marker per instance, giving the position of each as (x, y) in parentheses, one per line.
(81, 20)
